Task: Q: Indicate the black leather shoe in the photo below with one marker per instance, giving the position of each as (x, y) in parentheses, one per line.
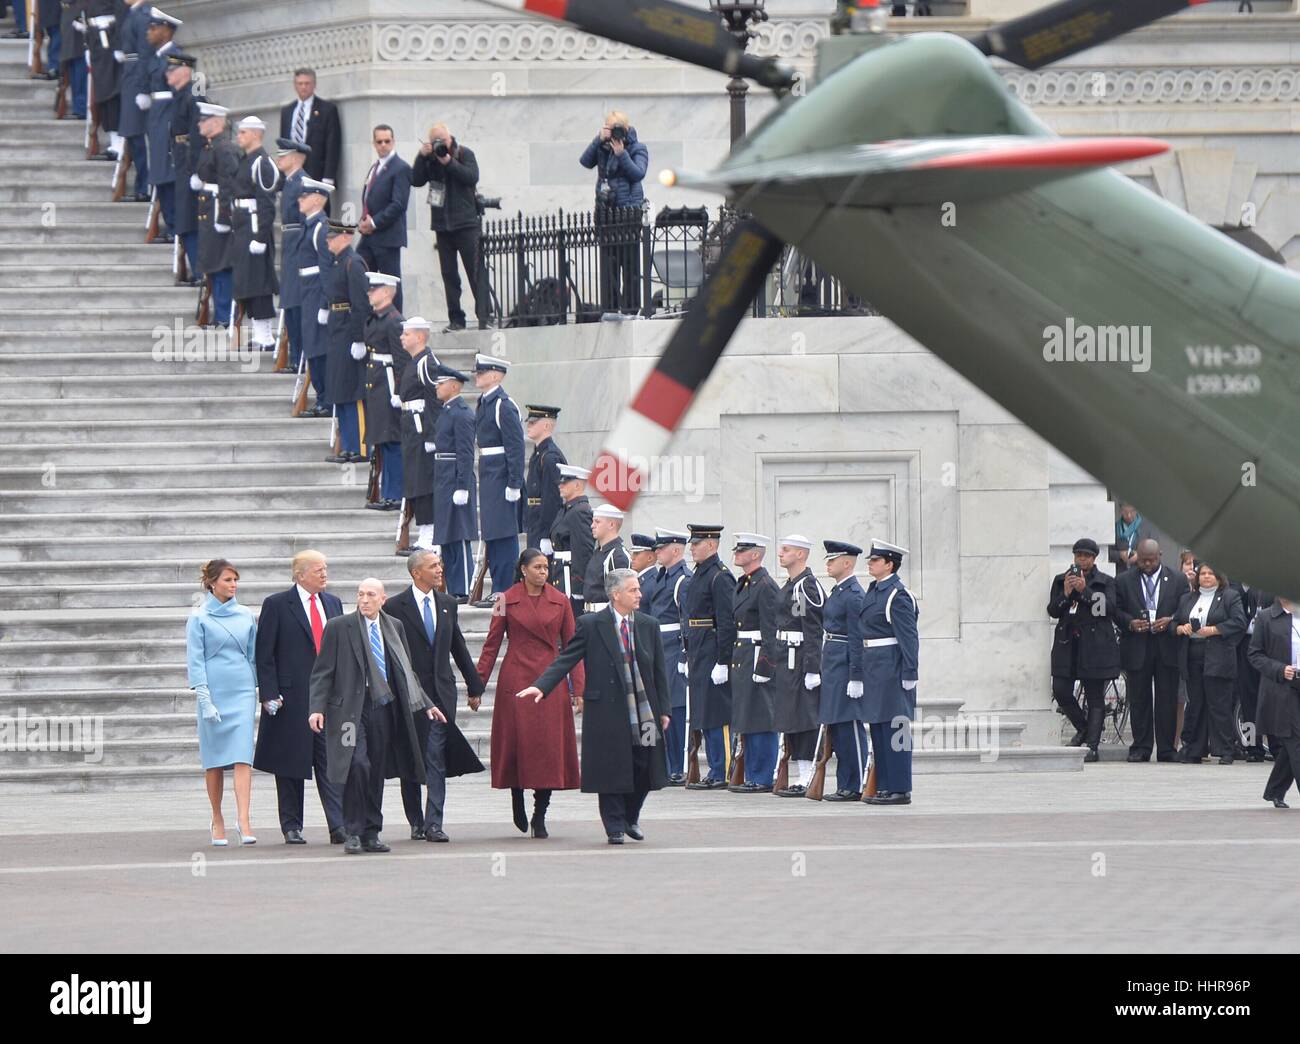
(337, 837)
(339, 458)
(1091, 756)
(456, 328)
(798, 790)
(390, 505)
(405, 552)
(294, 837)
(707, 784)
(843, 795)
(1278, 803)
(1254, 757)
(374, 846)
(417, 833)
(677, 780)
(352, 846)
(315, 411)
(750, 787)
(634, 832)
(484, 603)
(890, 798)
(1166, 757)
(1136, 756)
(615, 839)
(375, 505)
(1226, 760)
(435, 834)
(1077, 739)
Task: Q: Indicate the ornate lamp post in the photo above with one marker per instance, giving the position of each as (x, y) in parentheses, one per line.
(739, 17)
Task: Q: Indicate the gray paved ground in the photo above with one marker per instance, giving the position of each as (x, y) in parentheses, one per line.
(1117, 858)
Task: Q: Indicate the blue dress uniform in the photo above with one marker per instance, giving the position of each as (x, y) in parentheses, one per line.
(885, 630)
(542, 482)
(347, 291)
(667, 591)
(709, 635)
(454, 525)
(252, 237)
(754, 656)
(499, 430)
(840, 714)
(290, 237)
(571, 540)
(135, 67)
(799, 663)
(420, 409)
(217, 163)
(313, 257)
(158, 129)
(186, 143)
(386, 359)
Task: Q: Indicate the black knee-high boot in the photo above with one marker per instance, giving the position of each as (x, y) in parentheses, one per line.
(541, 802)
(521, 814)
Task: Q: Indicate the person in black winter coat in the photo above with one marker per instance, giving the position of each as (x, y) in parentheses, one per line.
(1082, 602)
(620, 161)
(1210, 623)
(1274, 653)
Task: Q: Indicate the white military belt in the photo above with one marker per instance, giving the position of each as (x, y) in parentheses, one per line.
(387, 360)
(790, 637)
(563, 556)
(129, 57)
(246, 203)
(749, 636)
(444, 456)
(160, 95)
(877, 643)
(836, 637)
(491, 451)
(669, 628)
(593, 607)
(413, 405)
(314, 270)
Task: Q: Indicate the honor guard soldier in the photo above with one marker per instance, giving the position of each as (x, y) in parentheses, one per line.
(753, 665)
(499, 429)
(312, 256)
(385, 361)
(610, 554)
(102, 37)
(156, 102)
(885, 630)
(709, 635)
(347, 293)
(218, 162)
(185, 146)
(134, 45)
(840, 713)
(455, 518)
(289, 158)
(542, 483)
(797, 683)
(571, 539)
(642, 553)
(671, 579)
(253, 232)
(419, 418)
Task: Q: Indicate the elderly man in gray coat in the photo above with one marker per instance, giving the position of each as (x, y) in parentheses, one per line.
(365, 694)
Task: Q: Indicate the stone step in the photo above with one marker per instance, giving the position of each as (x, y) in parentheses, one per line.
(20, 172)
(83, 323)
(98, 342)
(68, 412)
(36, 128)
(139, 702)
(83, 431)
(214, 524)
(123, 233)
(68, 277)
(52, 545)
(36, 95)
(177, 300)
(94, 385)
(60, 188)
(105, 255)
(117, 753)
(386, 566)
(56, 149)
(100, 365)
(35, 503)
(282, 451)
(169, 477)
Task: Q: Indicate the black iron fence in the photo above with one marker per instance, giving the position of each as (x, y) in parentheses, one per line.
(581, 266)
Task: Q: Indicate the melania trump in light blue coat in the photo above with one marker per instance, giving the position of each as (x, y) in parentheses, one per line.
(220, 640)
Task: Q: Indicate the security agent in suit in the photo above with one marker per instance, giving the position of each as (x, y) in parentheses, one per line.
(347, 294)
(311, 257)
(610, 554)
(797, 682)
(384, 197)
(671, 579)
(499, 431)
(841, 712)
(1275, 654)
(1246, 694)
(315, 122)
(709, 635)
(1146, 603)
(385, 362)
(885, 630)
(753, 664)
(434, 638)
(542, 482)
(289, 632)
(455, 517)
(571, 541)
(290, 157)
(364, 694)
(625, 704)
(1084, 646)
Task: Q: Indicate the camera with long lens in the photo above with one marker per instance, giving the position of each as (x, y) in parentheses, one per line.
(618, 132)
(486, 203)
(440, 149)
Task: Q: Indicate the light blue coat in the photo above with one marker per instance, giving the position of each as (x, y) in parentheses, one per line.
(220, 644)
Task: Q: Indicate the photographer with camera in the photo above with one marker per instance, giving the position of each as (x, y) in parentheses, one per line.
(620, 161)
(451, 172)
(1084, 646)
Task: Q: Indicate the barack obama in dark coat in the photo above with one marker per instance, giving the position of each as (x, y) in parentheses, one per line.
(1274, 651)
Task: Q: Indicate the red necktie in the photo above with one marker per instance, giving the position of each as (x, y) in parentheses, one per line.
(317, 625)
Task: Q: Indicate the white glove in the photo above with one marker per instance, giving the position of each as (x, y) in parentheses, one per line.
(811, 681)
(212, 188)
(396, 400)
(79, 25)
(327, 181)
(719, 674)
(681, 668)
(909, 685)
(271, 706)
(196, 183)
(512, 494)
(546, 548)
(119, 56)
(206, 707)
(358, 350)
(256, 248)
(143, 101)
(429, 447)
(758, 679)
(323, 316)
(855, 690)
(460, 498)
(218, 227)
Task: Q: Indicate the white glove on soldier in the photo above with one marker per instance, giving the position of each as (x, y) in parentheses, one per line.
(719, 674)
(681, 668)
(256, 248)
(396, 401)
(512, 494)
(855, 690)
(546, 547)
(909, 685)
(143, 101)
(460, 498)
(758, 679)
(119, 56)
(429, 447)
(358, 350)
(323, 316)
(218, 227)
(196, 183)
(811, 681)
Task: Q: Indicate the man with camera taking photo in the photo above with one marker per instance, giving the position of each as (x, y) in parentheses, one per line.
(451, 172)
(620, 161)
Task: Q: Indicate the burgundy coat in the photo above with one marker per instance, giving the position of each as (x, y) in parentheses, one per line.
(534, 745)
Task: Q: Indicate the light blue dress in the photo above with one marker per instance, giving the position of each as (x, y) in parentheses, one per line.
(220, 641)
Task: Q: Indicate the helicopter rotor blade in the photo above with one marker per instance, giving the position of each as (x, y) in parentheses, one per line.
(662, 27)
(1071, 26)
(649, 422)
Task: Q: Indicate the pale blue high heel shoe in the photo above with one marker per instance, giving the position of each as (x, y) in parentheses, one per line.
(217, 842)
(244, 839)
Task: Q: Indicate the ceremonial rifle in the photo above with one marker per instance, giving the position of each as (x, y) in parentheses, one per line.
(299, 399)
(35, 38)
(782, 779)
(823, 757)
(119, 171)
(282, 347)
(203, 312)
(738, 763)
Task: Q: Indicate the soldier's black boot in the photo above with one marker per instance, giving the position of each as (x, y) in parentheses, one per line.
(541, 802)
(520, 813)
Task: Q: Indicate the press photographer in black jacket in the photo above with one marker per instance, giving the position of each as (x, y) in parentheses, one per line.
(451, 172)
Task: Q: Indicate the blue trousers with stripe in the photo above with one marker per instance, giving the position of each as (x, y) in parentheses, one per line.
(893, 766)
(849, 740)
(761, 750)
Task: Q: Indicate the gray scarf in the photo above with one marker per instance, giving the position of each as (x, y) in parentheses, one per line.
(640, 716)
